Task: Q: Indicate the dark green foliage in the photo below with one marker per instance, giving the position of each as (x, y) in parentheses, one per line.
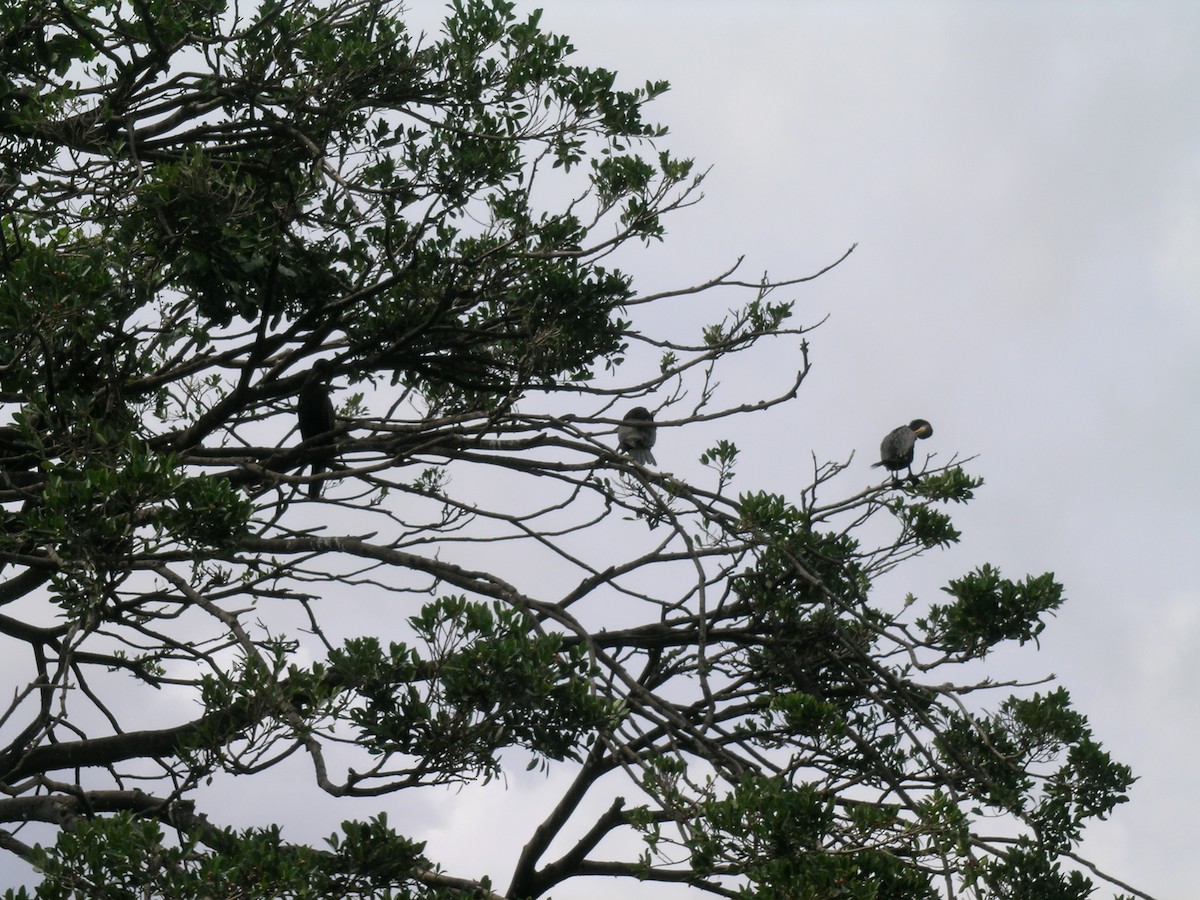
(1003, 757)
(63, 305)
(1027, 871)
(801, 564)
(952, 484)
(486, 683)
(989, 609)
(778, 834)
(930, 527)
(119, 855)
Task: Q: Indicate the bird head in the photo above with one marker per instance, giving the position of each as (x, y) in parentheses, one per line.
(921, 428)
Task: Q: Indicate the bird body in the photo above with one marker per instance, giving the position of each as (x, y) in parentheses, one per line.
(314, 409)
(896, 450)
(636, 435)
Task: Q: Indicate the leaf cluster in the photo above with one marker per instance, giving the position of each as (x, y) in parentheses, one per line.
(487, 683)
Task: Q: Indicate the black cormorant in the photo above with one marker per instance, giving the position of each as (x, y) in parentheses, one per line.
(314, 409)
(636, 435)
(896, 451)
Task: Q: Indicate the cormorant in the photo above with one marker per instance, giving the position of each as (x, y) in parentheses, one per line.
(636, 435)
(314, 409)
(896, 451)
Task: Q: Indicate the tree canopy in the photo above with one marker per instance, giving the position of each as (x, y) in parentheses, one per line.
(216, 216)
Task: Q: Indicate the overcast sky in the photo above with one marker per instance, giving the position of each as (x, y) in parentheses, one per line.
(1023, 182)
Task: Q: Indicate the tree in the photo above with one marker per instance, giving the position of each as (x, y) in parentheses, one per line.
(208, 210)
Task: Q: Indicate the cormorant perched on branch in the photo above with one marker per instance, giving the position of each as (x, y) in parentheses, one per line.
(636, 435)
(896, 451)
(314, 409)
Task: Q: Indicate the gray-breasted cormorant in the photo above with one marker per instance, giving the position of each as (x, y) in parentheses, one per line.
(314, 409)
(636, 435)
(896, 451)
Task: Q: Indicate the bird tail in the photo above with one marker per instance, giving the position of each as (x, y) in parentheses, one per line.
(314, 489)
(877, 465)
(642, 455)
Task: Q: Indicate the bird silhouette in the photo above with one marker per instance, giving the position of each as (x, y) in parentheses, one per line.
(314, 409)
(636, 435)
(896, 450)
